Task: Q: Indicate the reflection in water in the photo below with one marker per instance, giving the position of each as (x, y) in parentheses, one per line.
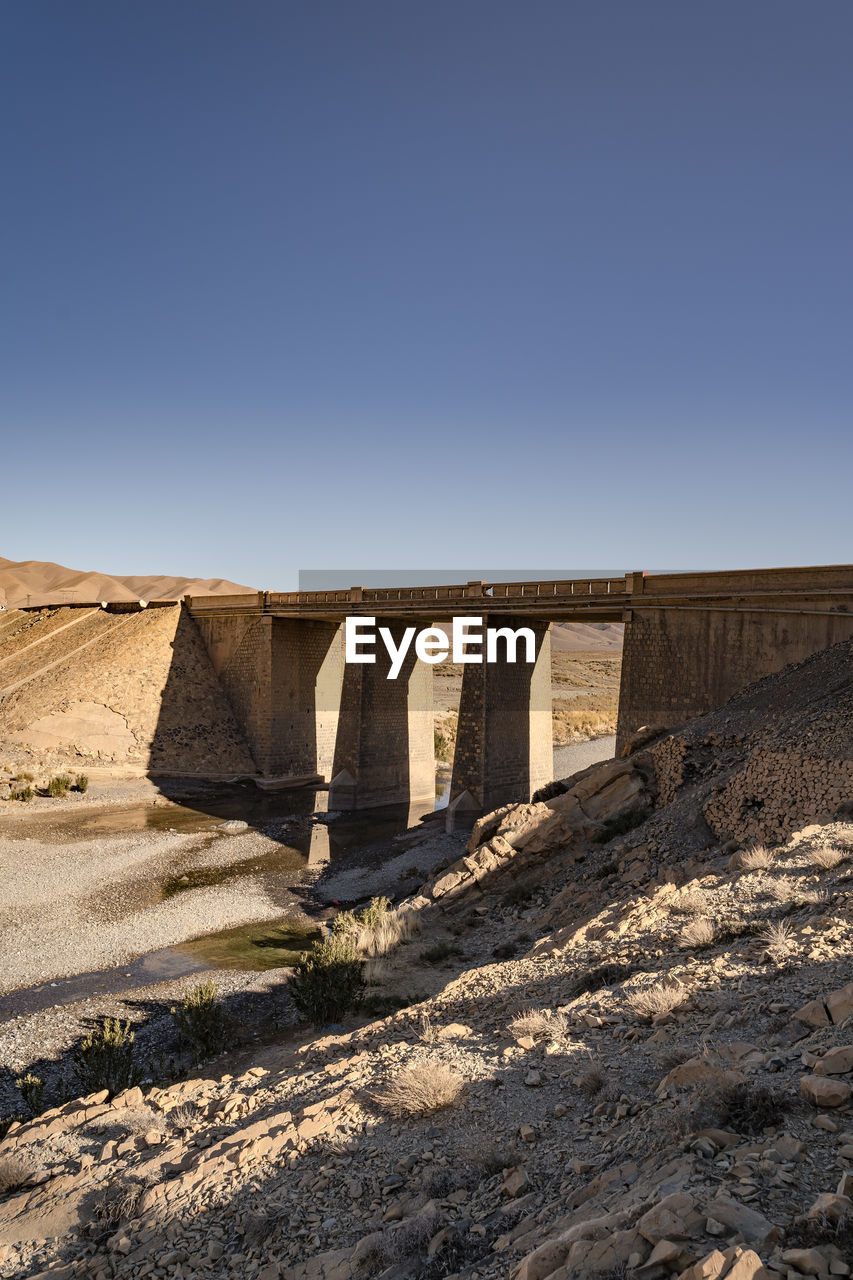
(307, 835)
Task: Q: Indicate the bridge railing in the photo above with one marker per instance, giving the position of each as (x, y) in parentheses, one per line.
(454, 592)
(475, 593)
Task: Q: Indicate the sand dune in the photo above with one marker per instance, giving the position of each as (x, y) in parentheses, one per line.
(586, 636)
(43, 582)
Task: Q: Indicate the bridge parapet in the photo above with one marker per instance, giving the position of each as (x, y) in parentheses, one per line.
(469, 595)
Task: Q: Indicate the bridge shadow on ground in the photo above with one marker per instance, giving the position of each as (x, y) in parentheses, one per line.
(200, 760)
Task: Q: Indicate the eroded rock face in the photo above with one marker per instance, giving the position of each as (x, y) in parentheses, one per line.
(607, 793)
(90, 728)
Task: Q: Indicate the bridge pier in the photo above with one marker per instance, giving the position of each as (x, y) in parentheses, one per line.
(385, 751)
(283, 678)
(504, 746)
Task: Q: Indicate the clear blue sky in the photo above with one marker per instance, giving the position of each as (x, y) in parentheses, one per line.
(393, 283)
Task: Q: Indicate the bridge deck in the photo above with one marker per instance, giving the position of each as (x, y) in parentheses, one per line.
(586, 599)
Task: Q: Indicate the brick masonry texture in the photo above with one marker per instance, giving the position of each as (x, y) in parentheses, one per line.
(503, 743)
(682, 663)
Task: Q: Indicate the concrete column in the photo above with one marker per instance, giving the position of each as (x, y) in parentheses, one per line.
(307, 668)
(283, 678)
(385, 752)
(504, 746)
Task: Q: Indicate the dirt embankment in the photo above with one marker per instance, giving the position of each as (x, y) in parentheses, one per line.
(636, 1060)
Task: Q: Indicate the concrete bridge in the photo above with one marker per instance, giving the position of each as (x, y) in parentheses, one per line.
(691, 641)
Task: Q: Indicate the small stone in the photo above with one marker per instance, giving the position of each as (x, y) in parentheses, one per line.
(824, 1122)
(533, 1079)
(809, 1262)
(516, 1181)
(527, 1133)
(560, 1111)
(832, 1207)
(825, 1091)
(715, 1228)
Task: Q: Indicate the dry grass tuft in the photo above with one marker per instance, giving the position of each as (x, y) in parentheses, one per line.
(657, 1001)
(131, 1120)
(426, 1086)
(14, 1174)
(539, 1023)
(377, 972)
(699, 933)
(118, 1203)
(692, 903)
(778, 941)
(758, 858)
(392, 929)
(592, 1080)
(827, 857)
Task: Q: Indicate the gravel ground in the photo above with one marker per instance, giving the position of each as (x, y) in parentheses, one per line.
(109, 909)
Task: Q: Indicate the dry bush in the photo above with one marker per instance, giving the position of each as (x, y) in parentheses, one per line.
(426, 1086)
(592, 1080)
(692, 903)
(790, 893)
(539, 1023)
(783, 890)
(827, 857)
(778, 941)
(699, 933)
(118, 1203)
(426, 1031)
(131, 1120)
(392, 929)
(377, 972)
(185, 1117)
(758, 858)
(577, 724)
(14, 1174)
(655, 1002)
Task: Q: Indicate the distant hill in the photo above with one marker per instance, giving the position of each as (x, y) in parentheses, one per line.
(575, 636)
(42, 582)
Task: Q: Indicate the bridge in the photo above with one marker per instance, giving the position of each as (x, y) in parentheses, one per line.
(692, 640)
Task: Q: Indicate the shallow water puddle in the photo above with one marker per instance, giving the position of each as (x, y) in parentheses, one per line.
(269, 945)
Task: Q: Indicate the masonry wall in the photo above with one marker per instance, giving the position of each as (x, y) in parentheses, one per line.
(240, 649)
(504, 750)
(307, 667)
(680, 662)
(385, 752)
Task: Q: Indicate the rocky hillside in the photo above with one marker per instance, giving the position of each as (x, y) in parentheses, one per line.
(636, 1060)
(83, 687)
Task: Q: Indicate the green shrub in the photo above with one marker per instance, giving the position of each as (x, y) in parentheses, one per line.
(371, 916)
(104, 1059)
(344, 922)
(329, 981)
(202, 1020)
(32, 1091)
(22, 793)
(59, 786)
(6, 1123)
(82, 783)
(380, 1006)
